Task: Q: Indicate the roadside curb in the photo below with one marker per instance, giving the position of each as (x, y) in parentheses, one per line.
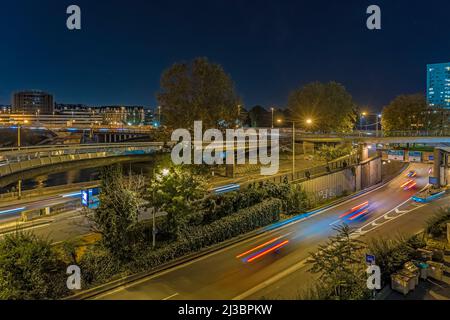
(18, 227)
(126, 280)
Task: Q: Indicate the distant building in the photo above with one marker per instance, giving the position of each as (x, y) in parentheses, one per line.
(32, 102)
(67, 108)
(132, 115)
(5, 108)
(438, 85)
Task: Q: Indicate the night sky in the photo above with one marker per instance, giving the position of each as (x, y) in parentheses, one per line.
(268, 47)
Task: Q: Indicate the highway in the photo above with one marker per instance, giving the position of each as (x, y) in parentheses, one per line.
(222, 275)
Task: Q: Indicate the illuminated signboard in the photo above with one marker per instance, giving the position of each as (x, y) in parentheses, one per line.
(398, 155)
(415, 156)
(89, 198)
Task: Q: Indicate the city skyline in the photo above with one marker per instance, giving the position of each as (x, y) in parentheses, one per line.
(118, 56)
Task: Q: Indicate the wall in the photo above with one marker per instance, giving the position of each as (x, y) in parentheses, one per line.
(346, 181)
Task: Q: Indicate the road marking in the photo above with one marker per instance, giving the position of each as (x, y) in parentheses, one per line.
(269, 232)
(170, 297)
(335, 222)
(272, 280)
(356, 234)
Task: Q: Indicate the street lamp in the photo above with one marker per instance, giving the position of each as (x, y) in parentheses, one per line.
(159, 115)
(272, 109)
(308, 122)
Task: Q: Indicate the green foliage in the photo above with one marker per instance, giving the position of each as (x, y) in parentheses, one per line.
(329, 105)
(407, 112)
(195, 238)
(392, 254)
(178, 192)
(330, 153)
(198, 90)
(99, 266)
(297, 201)
(339, 263)
(116, 219)
(30, 269)
(437, 225)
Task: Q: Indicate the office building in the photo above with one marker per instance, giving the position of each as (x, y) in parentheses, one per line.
(438, 85)
(32, 102)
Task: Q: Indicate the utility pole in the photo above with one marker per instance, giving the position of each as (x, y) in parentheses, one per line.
(18, 136)
(272, 109)
(293, 149)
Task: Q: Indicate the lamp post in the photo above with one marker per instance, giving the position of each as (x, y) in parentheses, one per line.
(308, 122)
(159, 115)
(272, 109)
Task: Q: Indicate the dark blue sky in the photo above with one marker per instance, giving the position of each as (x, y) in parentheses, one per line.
(268, 47)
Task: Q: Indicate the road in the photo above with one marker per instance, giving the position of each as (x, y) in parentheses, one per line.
(221, 275)
(11, 212)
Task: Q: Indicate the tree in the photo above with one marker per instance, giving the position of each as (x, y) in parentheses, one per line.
(407, 112)
(340, 266)
(30, 269)
(329, 105)
(176, 192)
(116, 218)
(259, 117)
(198, 90)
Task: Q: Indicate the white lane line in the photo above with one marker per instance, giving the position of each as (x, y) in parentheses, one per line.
(172, 296)
(272, 280)
(335, 222)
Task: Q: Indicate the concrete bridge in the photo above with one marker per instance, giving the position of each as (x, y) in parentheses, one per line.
(15, 160)
(426, 137)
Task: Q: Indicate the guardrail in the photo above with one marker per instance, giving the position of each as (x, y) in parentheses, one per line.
(306, 174)
(14, 160)
(373, 134)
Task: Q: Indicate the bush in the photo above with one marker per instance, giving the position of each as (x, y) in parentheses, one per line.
(30, 269)
(297, 201)
(437, 225)
(98, 267)
(391, 255)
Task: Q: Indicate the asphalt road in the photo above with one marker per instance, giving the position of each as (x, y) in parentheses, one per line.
(221, 275)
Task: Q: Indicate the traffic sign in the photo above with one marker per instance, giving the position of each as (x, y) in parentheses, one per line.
(370, 259)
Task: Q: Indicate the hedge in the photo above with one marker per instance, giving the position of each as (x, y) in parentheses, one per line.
(97, 265)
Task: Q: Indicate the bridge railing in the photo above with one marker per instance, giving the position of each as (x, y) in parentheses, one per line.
(372, 134)
(13, 159)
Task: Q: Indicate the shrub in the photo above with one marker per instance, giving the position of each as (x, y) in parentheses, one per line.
(98, 267)
(30, 269)
(391, 255)
(437, 225)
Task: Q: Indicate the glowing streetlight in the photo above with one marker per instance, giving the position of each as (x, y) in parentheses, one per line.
(272, 109)
(309, 121)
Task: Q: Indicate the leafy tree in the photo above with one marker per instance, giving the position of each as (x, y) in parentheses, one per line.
(198, 90)
(259, 117)
(340, 266)
(30, 269)
(407, 112)
(178, 192)
(116, 219)
(329, 105)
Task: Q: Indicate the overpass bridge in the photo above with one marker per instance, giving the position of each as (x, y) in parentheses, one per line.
(16, 160)
(380, 137)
